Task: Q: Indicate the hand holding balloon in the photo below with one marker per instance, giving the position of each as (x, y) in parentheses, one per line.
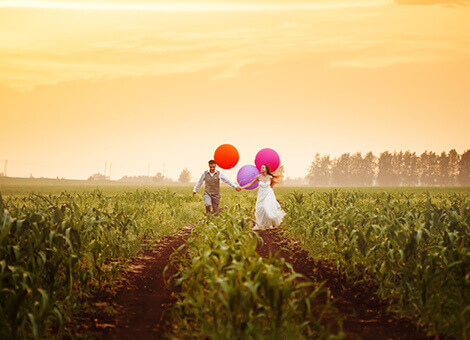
(252, 185)
(247, 177)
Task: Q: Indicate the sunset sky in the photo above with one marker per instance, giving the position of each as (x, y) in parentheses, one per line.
(139, 82)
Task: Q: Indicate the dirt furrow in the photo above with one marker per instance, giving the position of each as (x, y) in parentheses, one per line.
(143, 301)
(364, 315)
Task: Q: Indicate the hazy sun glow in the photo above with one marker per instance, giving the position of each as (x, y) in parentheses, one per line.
(165, 83)
(192, 7)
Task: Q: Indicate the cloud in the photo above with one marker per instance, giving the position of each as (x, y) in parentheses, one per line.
(229, 51)
(192, 6)
(135, 48)
(290, 25)
(149, 53)
(407, 50)
(434, 2)
(10, 39)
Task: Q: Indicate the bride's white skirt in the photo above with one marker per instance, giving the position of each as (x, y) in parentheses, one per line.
(268, 211)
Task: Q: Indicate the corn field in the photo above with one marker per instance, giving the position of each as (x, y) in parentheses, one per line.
(58, 250)
(229, 292)
(414, 247)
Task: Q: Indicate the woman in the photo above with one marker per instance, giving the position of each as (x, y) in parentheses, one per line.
(268, 212)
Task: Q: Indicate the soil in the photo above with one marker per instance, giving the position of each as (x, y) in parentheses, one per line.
(364, 315)
(143, 301)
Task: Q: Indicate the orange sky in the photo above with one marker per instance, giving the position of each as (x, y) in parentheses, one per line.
(138, 82)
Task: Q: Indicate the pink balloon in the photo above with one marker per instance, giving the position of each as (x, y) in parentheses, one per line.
(267, 156)
(246, 175)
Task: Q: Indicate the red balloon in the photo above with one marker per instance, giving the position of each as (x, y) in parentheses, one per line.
(226, 156)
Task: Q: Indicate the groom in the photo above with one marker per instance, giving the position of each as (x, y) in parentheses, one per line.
(212, 187)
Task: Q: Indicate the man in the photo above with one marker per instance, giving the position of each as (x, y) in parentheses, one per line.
(212, 187)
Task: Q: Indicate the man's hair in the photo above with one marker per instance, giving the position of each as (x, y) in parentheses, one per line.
(212, 162)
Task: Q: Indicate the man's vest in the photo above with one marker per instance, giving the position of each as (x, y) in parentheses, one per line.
(212, 186)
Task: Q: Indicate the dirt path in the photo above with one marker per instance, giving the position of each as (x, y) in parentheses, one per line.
(143, 299)
(364, 316)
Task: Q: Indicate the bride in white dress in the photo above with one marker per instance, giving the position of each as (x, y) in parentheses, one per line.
(268, 214)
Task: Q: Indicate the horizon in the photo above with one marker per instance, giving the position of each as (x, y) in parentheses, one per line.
(232, 172)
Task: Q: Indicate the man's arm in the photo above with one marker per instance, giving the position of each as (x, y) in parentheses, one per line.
(199, 183)
(226, 180)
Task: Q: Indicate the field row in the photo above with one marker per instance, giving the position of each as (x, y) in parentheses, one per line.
(414, 247)
(228, 291)
(58, 250)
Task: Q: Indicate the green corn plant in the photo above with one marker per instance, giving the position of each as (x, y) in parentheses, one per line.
(415, 247)
(58, 250)
(229, 292)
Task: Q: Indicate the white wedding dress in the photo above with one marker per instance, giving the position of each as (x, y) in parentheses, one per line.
(268, 211)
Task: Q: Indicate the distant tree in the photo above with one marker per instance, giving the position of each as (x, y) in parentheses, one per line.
(340, 170)
(312, 169)
(429, 168)
(454, 159)
(423, 168)
(386, 175)
(390, 169)
(443, 169)
(464, 169)
(159, 177)
(369, 168)
(185, 176)
(410, 172)
(355, 170)
(398, 168)
(324, 173)
(98, 177)
(434, 168)
(319, 172)
(362, 169)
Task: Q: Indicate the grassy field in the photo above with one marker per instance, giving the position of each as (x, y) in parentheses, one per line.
(24, 186)
(61, 241)
(59, 250)
(414, 246)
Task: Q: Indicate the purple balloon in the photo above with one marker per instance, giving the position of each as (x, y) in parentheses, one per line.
(246, 175)
(267, 156)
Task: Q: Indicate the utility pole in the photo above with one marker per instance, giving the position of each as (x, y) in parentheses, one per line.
(5, 168)
(110, 166)
(105, 166)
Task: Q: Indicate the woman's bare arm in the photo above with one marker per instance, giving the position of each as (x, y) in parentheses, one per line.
(250, 184)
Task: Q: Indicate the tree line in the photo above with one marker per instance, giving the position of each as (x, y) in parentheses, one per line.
(391, 169)
(185, 177)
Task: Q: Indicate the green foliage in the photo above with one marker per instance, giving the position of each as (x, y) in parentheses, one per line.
(229, 292)
(56, 250)
(416, 247)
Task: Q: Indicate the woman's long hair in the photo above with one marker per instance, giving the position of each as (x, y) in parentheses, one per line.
(275, 178)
